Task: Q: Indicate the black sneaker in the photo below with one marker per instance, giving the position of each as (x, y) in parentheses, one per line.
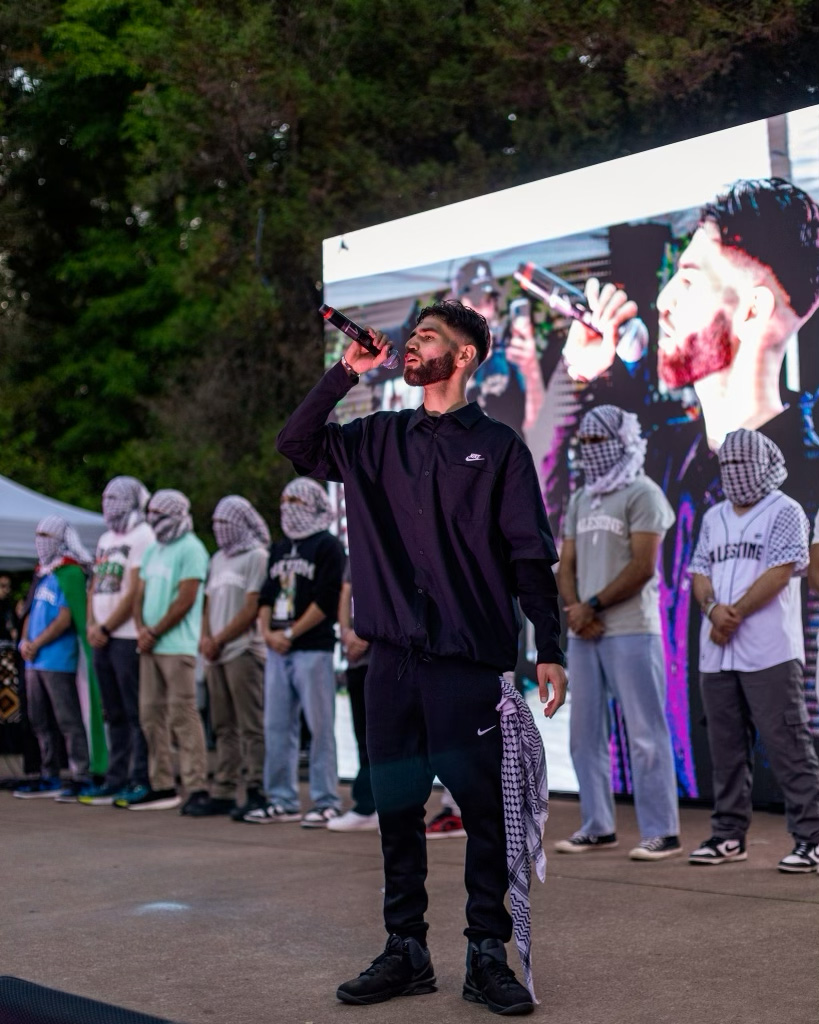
(656, 848)
(255, 801)
(581, 843)
(197, 804)
(213, 806)
(154, 800)
(803, 859)
(718, 851)
(491, 981)
(403, 969)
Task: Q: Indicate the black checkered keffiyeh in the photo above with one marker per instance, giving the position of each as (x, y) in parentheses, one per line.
(614, 463)
(525, 810)
(751, 466)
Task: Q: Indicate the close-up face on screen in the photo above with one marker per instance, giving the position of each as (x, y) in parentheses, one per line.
(713, 244)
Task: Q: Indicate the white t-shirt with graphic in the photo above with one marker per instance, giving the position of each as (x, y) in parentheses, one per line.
(733, 551)
(117, 555)
(602, 537)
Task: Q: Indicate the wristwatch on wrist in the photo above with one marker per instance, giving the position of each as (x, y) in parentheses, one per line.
(105, 630)
(288, 632)
(595, 604)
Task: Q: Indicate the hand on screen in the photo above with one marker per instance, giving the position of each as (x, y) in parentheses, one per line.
(521, 348)
(587, 353)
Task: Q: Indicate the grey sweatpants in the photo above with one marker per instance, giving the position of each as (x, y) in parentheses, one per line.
(772, 703)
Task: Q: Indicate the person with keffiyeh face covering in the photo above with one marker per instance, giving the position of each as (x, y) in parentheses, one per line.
(751, 551)
(50, 647)
(168, 616)
(233, 646)
(112, 634)
(298, 607)
(612, 533)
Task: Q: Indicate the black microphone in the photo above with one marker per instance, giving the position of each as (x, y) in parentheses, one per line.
(570, 301)
(359, 334)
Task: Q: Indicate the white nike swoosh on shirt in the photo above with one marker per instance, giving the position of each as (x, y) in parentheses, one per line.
(482, 732)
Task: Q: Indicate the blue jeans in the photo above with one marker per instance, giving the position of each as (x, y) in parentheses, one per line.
(301, 680)
(632, 670)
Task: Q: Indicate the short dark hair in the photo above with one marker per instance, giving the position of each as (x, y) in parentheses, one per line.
(461, 318)
(776, 224)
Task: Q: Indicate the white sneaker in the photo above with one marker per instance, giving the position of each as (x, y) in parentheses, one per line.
(352, 821)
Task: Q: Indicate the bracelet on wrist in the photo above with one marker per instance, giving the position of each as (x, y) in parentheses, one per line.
(354, 375)
(105, 630)
(709, 608)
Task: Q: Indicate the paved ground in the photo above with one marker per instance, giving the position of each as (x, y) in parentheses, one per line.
(210, 922)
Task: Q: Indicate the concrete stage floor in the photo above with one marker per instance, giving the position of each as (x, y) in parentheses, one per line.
(213, 922)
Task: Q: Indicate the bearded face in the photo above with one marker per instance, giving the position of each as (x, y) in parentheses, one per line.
(696, 355)
(420, 373)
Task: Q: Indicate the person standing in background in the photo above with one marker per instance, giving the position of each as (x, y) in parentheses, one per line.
(362, 816)
(608, 580)
(168, 614)
(50, 647)
(298, 607)
(233, 646)
(752, 548)
(112, 634)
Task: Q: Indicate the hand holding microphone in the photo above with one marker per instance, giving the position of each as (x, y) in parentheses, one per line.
(369, 351)
(605, 321)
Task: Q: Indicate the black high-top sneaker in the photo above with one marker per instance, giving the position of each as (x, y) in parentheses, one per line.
(403, 969)
(491, 981)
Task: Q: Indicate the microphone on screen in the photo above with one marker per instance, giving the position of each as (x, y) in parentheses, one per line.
(570, 301)
(359, 334)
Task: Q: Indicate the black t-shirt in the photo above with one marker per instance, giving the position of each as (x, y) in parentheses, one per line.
(300, 572)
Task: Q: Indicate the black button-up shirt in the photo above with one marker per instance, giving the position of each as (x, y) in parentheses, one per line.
(445, 521)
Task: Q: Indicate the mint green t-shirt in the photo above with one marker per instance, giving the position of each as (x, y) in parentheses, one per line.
(163, 567)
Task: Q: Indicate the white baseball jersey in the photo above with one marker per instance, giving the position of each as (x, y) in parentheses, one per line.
(735, 550)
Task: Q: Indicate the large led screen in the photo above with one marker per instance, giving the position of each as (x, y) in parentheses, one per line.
(689, 379)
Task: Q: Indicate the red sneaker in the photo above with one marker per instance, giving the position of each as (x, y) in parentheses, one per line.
(445, 825)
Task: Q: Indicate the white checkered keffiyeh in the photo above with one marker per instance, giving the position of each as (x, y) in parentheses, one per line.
(169, 513)
(237, 526)
(525, 810)
(56, 540)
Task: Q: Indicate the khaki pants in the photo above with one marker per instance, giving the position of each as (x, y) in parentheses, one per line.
(167, 705)
(236, 693)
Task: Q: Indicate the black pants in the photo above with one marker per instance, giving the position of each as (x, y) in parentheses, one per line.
(426, 718)
(362, 791)
(117, 669)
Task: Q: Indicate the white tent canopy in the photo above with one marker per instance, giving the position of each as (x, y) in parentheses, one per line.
(21, 510)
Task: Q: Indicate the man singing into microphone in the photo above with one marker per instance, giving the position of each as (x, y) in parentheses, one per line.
(446, 528)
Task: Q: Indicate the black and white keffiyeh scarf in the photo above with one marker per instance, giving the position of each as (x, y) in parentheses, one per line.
(124, 501)
(614, 463)
(169, 513)
(238, 527)
(751, 466)
(525, 810)
(305, 509)
(55, 541)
